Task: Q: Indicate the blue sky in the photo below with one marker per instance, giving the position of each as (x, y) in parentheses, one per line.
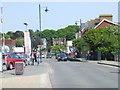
(60, 14)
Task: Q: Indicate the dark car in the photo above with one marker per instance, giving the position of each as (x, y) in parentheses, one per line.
(62, 57)
(49, 55)
(4, 65)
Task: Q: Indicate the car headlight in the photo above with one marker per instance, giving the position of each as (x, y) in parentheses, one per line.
(65, 57)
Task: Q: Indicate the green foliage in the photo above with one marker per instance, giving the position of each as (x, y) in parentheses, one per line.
(19, 42)
(105, 40)
(18, 34)
(59, 48)
(80, 44)
(68, 32)
(6, 36)
(10, 33)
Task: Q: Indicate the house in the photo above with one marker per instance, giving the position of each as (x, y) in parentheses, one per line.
(59, 41)
(44, 45)
(105, 23)
(92, 23)
(106, 20)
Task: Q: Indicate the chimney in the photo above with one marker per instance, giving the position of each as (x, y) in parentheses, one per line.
(108, 17)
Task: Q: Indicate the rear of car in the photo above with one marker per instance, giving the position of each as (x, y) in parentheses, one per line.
(62, 57)
(49, 55)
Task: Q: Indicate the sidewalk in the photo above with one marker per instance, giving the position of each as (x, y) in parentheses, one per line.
(111, 63)
(35, 81)
(34, 77)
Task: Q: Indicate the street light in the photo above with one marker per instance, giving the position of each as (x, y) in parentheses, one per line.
(26, 24)
(80, 34)
(46, 10)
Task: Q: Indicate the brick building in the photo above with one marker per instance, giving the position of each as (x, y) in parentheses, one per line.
(105, 23)
(8, 42)
(59, 41)
(92, 23)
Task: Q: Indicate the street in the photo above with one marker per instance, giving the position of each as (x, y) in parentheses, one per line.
(70, 74)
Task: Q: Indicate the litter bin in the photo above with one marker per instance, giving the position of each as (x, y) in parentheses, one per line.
(19, 68)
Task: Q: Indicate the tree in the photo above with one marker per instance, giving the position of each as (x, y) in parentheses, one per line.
(19, 42)
(59, 48)
(6, 36)
(80, 44)
(68, 32)
(103, 40)
(10, 33)
(18, 34)
(49, 34)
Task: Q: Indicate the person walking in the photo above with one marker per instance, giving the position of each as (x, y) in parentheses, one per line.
(38, 57)
(32, 58)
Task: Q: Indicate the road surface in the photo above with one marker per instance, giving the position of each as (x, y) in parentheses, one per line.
(70, 74)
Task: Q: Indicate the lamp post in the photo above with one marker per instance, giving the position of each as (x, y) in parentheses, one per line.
(46, 10)
(80, 34)
(26, 24)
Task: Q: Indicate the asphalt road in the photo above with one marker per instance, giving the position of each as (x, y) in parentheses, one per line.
(64, 75)
(82, 75)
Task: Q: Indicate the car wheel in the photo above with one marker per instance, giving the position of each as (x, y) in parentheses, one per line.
(11, 66)
(58, 60)
(4, 67)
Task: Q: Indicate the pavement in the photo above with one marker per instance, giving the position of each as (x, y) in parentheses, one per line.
(110, 63)
(35, 81)
(104, 62)
(31, 78)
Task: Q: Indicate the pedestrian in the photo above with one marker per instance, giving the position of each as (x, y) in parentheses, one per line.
(75, 54)
(35, 58)
(38, 57)
(32, 58)
(88, 55)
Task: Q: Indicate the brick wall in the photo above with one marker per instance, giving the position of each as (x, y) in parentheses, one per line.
(9, 42)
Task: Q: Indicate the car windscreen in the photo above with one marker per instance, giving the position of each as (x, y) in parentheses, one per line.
(3, 56)
(62, 55)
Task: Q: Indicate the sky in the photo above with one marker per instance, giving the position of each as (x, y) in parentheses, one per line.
(60, 14)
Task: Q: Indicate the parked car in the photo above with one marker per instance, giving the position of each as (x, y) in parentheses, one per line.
(11, 58)
(62, 57)
(4, 65)
(49, 55)
(42, 55)
(26, 57)
(57, 55)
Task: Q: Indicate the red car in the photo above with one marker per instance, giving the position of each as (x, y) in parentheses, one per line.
(11, 58)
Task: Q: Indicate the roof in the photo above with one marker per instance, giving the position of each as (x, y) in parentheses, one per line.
(106, 21)
(105, 16)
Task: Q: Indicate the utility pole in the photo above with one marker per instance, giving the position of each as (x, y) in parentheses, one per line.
(40, 24)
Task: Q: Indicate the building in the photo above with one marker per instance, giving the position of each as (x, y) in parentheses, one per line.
(8, 42)
(44, 43)
(92, 23)
(59, 41)
(105, 23)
